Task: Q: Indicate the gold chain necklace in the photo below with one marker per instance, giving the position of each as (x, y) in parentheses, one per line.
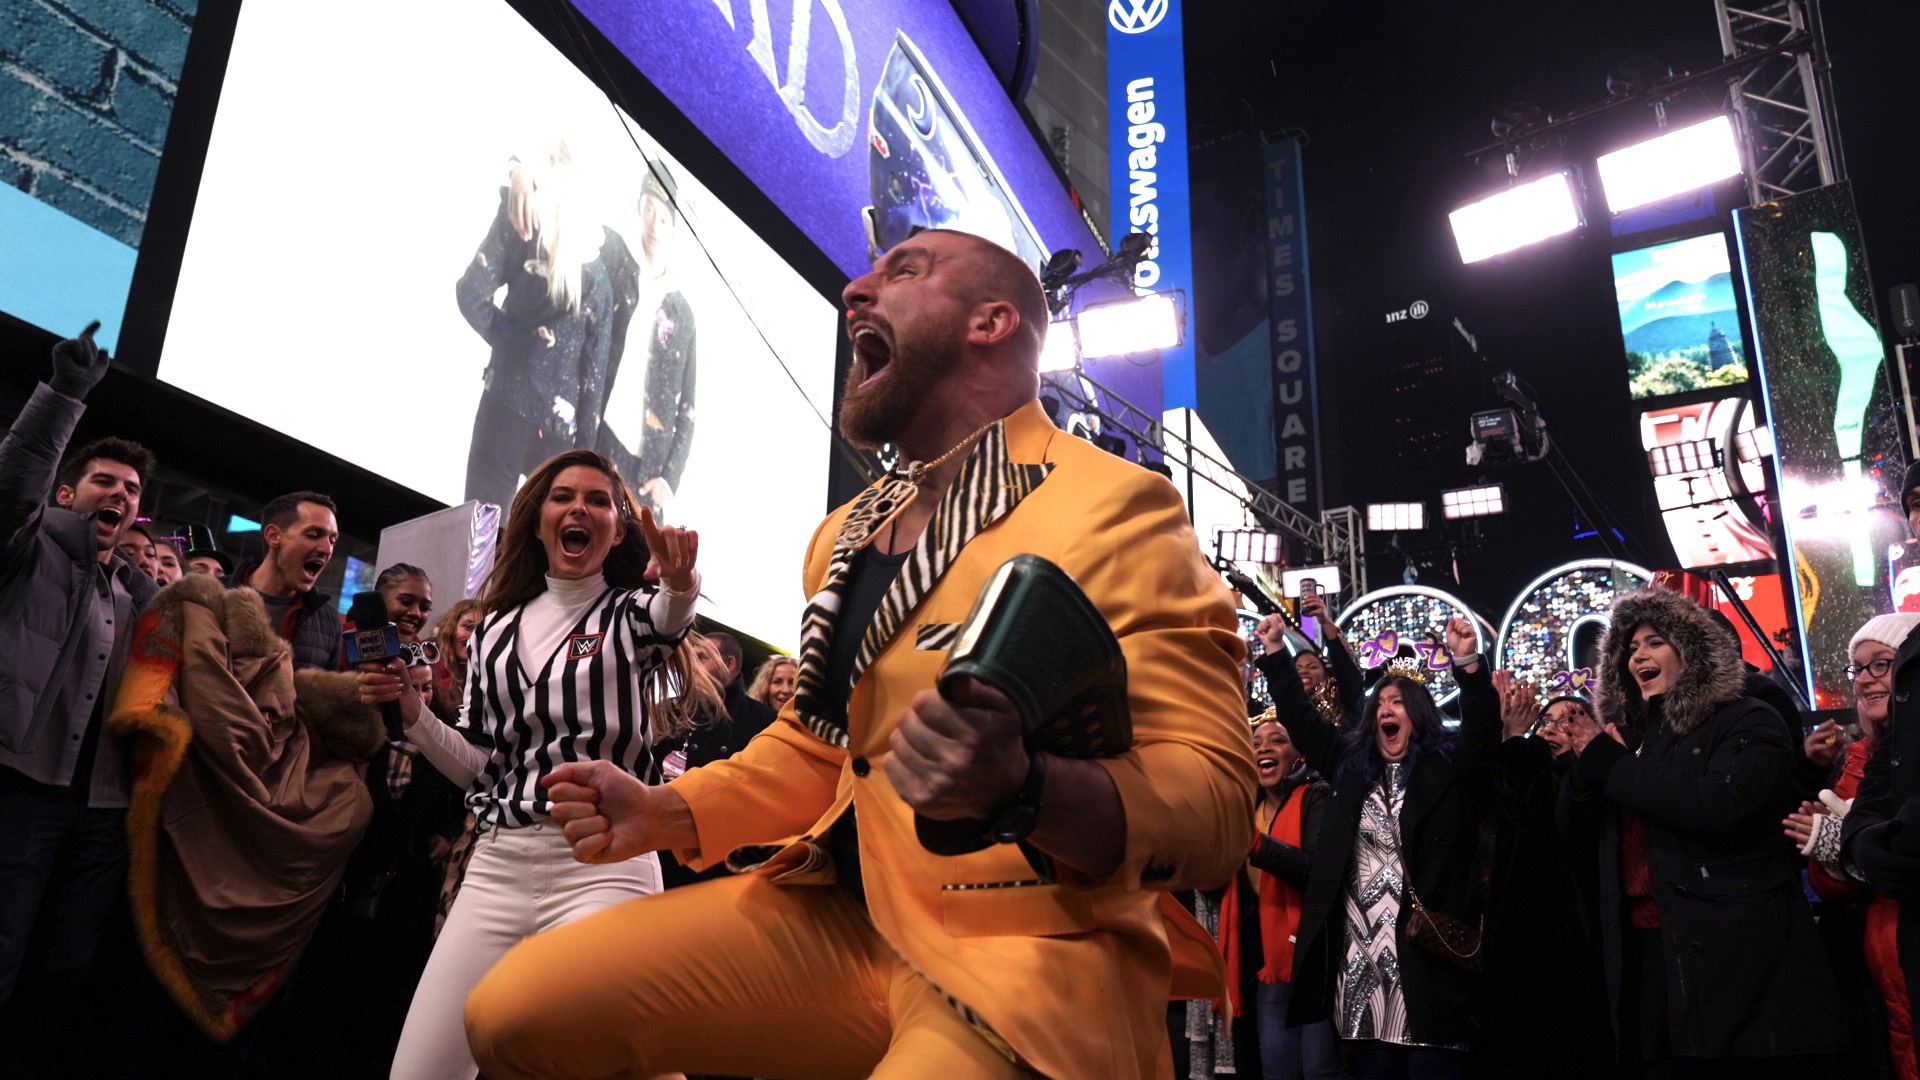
(895, 494)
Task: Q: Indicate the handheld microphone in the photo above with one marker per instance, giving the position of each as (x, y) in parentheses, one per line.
(374, 641)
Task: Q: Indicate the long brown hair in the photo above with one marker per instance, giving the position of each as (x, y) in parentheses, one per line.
(680, 690)
(444, 632)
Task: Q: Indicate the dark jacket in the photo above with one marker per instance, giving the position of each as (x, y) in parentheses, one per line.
(1880, 838)
(724, 736)
(311, 625)
(1448, 796)
(49, 560)
(1284, 861)
(524, 370)
(714, 740)
(1710, 779)
(1542, 987)
(663, 344)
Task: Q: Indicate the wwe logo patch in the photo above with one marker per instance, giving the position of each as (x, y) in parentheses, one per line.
(583, 646)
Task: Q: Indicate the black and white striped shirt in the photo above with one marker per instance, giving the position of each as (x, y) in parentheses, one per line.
(559, 678)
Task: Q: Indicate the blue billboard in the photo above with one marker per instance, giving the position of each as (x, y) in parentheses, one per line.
(1147, 141)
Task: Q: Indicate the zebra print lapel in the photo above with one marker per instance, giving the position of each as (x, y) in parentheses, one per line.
(988, 487)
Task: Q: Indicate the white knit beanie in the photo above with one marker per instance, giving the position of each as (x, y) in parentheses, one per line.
(1890, 630)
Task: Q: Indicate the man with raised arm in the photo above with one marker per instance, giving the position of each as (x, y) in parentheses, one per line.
(850, 949)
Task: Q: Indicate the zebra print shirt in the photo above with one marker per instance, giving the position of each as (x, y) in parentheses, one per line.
(585, 701)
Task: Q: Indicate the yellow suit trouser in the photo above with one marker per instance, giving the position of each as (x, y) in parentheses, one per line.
(735, 976)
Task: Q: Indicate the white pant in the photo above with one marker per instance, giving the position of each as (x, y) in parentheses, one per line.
(520, 882)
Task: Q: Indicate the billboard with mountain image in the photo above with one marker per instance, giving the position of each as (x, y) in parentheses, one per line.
(1678, 318)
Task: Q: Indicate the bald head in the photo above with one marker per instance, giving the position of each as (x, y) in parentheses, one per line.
(994, 275)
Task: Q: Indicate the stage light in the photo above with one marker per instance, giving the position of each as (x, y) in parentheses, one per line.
(1060, 266)
(1112, 444)
(1396, 517)
(1675, 458)
(1521, 215)
(1057, 352)
(1142, 324)
(1250, 545)
(1486, 500)
(1669, 165)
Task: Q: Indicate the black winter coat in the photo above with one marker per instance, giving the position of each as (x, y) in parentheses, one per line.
(1745, 973)
(1881, 835)
(1448, 798)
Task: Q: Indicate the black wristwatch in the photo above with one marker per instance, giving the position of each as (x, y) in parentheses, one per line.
(1013, 822)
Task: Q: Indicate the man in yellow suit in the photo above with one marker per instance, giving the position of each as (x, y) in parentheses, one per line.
(846, 948)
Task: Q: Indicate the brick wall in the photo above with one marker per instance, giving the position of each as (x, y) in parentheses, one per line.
(86, 90)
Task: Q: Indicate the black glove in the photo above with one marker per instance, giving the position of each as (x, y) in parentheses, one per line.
(78, 364)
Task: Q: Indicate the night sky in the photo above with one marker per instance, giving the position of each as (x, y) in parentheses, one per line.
(1392, 97)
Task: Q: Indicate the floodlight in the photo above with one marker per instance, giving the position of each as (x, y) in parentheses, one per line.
(1142, 324)
(1516, 217)
(1669, 165)
(1324, 579)
(1676, 458)
(1396, 517)
(1060, 266)
(1486, 500)
(1250, 545)
(1057, 352)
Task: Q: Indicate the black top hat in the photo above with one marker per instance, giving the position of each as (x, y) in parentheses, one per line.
(198, 543)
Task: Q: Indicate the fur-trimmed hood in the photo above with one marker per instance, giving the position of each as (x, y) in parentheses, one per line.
(1710, 670)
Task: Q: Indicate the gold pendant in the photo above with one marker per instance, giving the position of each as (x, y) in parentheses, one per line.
(893, 495)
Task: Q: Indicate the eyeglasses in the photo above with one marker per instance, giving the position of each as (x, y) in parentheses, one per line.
(1877, 669)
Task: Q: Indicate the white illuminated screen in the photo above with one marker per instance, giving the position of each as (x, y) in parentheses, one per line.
(1473, 502)
(317, 289)
(1669, 165)
(1521, 215)
(1130, 326)
(1396, 517)
(1057, 351)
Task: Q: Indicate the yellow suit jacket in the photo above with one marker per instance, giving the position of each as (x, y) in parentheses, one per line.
(1073, 977)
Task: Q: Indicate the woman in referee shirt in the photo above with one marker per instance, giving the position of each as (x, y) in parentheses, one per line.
(578, 658)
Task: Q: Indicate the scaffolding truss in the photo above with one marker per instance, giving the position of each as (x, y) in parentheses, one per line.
(1783, 97)
(1335, 538)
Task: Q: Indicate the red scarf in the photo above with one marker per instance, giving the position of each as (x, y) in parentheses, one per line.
(1280, 902)
(1279, 911)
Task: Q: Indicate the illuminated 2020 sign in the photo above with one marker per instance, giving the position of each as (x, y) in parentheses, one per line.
(1410, 613)
(1554, 626)
(1549, 629)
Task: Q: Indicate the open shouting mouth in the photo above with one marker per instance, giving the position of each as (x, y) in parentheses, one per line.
(871, 351)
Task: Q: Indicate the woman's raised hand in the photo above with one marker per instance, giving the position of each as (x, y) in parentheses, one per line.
(673, 552)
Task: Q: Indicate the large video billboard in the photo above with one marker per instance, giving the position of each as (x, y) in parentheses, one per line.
(1835, 426)
(833, 107)
(1709, 478)
(463, 259)
(1679, 320)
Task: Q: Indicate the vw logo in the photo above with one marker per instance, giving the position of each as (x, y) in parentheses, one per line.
(1417, 309)
(1136, 16)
